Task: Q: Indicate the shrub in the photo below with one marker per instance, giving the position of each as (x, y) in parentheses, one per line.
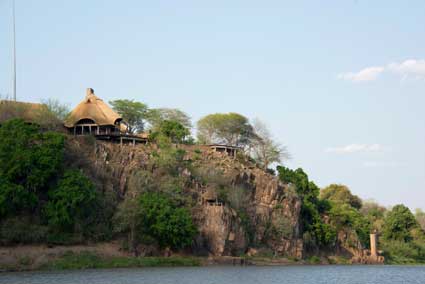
(282, 228)
(22, 230)
(398, 224)
(313, 260)
(168, 160)
(128, 220)
(169, 225)
(70, 201)
(30, 161)
(318, 233)
(172, 129)
(343, 215)
(339, 193)
(399, 252)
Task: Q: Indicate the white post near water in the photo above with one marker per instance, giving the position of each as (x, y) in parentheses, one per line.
(373, 245)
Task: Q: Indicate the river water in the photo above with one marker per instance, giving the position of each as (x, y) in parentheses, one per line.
(227, 274)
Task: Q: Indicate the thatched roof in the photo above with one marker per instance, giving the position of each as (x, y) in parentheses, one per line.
(30, 112)
(92, 107)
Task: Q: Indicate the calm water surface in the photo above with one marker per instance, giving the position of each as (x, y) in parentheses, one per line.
(218, 275)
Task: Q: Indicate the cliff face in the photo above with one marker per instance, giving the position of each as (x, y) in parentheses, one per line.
(265, 215)
(221, 231)
(269, 209)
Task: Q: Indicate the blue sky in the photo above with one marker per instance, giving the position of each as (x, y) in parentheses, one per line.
(341, 83)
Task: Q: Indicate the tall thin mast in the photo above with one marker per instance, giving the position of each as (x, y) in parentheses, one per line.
(14, 54)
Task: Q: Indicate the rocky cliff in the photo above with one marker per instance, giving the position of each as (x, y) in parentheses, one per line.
(256, 212)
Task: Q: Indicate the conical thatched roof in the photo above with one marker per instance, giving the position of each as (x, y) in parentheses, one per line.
(92, 107)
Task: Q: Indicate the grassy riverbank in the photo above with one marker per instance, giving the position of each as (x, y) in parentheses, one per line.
(85, 260)
(90, 260)
(109, 255)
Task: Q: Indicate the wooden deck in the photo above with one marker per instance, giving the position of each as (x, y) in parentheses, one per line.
(122, 138)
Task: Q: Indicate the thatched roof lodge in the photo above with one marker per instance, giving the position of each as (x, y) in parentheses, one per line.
(93, 116)
(30, 112)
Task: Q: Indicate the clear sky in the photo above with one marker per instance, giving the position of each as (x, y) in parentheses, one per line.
(341, 83)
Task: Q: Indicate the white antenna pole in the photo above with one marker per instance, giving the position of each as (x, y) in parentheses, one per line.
(14, 54)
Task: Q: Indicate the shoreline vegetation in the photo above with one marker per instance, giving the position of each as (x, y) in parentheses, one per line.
(91, 260)
(31, 258)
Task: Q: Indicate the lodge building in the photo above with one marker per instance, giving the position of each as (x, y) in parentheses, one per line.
(94, 117)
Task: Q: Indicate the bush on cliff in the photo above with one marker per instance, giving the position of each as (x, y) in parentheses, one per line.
(166, 223)
(29, 163)
(343, 216)
(339, 193)
(175, 131)
(155, 218)
(40, 192)
(316, 232)
(71, 201)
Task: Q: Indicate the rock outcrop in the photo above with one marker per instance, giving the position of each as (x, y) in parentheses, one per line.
(271, 210)
(221, 231)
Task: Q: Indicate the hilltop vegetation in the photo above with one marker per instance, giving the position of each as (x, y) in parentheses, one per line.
(51, 187)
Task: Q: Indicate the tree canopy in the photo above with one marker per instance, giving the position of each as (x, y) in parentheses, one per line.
(70, 200)
(172, 129)
(341, 194)
(159, 115)
(29, 161)
(133, 113)
(225, 128)
(165, 222)
(398, 224)
(312, 225)
(345, 216)
(374, 213)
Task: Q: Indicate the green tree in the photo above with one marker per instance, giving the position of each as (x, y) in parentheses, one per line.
(29, 162)
(165, 222)
(312, 225)
(128, 220)
(374, 213)
(158, 115)
(133, 113)
(70, 201)
(225, 128)
(343, 215)
(173, 130)
(398, 224)
(403, 239)
(344, 211)
(340, 194)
